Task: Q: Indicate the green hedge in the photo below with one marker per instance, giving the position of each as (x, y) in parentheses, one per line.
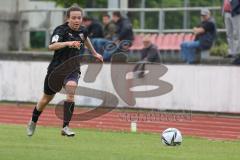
(219, 50)
(37, 39)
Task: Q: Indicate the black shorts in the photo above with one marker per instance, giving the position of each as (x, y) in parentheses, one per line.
(74, 76)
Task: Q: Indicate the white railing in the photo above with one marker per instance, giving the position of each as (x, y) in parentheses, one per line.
(161, 19)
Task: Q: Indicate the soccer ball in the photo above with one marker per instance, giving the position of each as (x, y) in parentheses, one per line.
(171, 137)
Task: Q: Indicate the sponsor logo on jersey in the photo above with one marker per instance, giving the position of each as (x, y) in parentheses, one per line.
(55, 38)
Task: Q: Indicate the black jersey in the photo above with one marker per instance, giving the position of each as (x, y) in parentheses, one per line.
(64, 33)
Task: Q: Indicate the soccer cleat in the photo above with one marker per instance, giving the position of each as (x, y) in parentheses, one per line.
(31, 128)
(66, 131)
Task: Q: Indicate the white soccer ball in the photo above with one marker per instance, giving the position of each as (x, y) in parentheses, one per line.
(171, 137)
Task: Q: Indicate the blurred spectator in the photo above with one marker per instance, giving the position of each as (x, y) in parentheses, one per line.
(95, 32)
(149, 53)
(109, 28)
(235, 6)
(124, 27)
(123, 38)
(227, 9)
(95, 29)
(235, 31)
(205, 36)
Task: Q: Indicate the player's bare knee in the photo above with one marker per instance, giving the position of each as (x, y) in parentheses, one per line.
(71, 84)
(71, 87)
(70, 97)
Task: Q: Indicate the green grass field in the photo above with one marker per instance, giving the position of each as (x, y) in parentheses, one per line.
(47, 143)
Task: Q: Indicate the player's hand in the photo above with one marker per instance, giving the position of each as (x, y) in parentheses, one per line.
(98, 56)
(73, 44)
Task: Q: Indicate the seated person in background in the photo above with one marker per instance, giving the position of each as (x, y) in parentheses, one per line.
(109, 28)
(95, 29)
(124, 29)
(149, 53)
(122, 39)
(205, 36)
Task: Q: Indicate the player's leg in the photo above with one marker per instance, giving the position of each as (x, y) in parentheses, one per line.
(37, 112)
(42, 103)
(70, 85)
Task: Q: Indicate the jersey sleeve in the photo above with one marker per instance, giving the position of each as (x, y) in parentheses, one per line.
(57, 36)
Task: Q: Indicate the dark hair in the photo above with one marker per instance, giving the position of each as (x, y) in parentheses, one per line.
(106, 15)
(74, 7)
(86, 18)
(117, 14)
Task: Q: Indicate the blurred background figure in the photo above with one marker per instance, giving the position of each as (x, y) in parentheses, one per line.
(94, 27)
(235, 6)
(231, 13)
(205, 36)
(226, 10)
(100, 36)
(123, 37)
(109, 28)
(124, 29)
(149, 53)
(95, 31)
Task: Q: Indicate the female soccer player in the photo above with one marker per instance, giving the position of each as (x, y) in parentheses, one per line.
(66, 41)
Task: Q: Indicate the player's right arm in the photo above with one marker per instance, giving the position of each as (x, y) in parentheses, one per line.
(60, 45)
(57, 40)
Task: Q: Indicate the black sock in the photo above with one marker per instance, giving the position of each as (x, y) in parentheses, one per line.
(35, 115)
(68, 111)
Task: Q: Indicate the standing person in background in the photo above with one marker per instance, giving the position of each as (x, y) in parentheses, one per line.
(231, 13)
(235, 11)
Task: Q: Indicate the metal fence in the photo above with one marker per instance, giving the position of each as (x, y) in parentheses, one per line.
(161, 19)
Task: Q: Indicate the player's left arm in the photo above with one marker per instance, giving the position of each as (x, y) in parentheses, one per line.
(92, 50)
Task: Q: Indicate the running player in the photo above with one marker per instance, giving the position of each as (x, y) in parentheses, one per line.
(66, 41)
